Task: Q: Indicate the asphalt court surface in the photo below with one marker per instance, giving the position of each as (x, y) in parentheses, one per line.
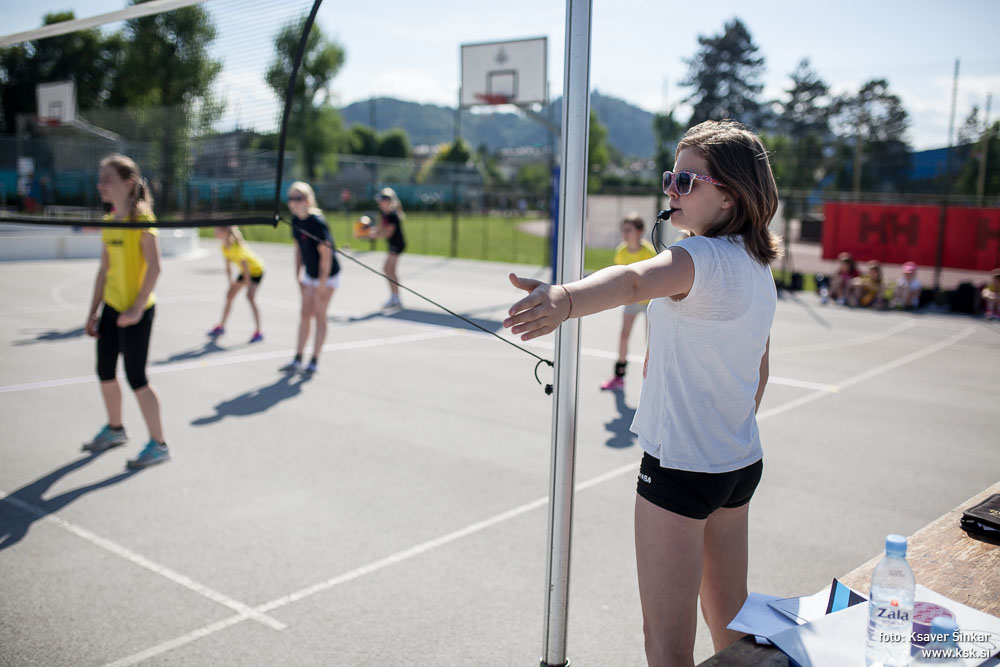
(391, 509)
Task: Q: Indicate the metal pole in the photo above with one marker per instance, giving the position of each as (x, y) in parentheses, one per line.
(983, 153)
(572, 214)
(948, 183)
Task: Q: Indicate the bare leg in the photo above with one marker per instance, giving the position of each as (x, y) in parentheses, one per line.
(305, 317)
(251, 293)
(724, 582)
(627, 323)
(668, 552)
(322, 303)
(111, 391)
(149, 403)
(230, 295)
(389, 269)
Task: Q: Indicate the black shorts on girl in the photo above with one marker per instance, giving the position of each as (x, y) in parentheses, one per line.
(696, 494)
(131, 342)
(254, 279)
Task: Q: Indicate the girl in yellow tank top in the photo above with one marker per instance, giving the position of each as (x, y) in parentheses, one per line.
(130, 265)
(251, 272)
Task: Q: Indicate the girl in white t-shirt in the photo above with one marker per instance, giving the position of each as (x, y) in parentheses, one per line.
(712, 304)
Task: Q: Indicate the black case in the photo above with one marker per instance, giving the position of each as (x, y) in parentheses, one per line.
(984, 518)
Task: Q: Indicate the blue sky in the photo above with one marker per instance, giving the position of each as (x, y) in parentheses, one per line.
(410, 49)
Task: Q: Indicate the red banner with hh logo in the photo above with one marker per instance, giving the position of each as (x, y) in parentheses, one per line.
(901, 233)
(972, 238)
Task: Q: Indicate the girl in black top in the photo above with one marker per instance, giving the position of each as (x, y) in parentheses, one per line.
(391, 228)
(317, 271)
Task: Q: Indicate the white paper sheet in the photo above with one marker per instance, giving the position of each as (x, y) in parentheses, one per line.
(757, 618)
(838, 639)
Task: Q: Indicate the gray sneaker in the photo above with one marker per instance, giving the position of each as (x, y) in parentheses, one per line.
(293, 366)
(106, 439)
(153, 453)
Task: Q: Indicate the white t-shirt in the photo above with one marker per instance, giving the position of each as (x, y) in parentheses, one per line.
(696, 411)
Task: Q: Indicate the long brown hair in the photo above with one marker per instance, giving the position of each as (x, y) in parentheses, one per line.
(140, 199)
(736, 156)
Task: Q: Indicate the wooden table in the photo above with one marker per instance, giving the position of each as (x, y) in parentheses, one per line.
(944, 558)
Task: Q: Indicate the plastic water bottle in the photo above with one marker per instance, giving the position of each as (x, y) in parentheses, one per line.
(890, 608)
(942, 650)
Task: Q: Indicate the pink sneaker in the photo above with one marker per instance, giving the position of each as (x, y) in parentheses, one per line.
(217, 331)
(614, 384)
(257, 337)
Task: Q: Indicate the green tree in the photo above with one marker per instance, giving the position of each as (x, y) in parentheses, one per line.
(668, 132)
(394, 143)
(598, 155)
(534, 177)
(164, 80)
(725, 76)
(315, 129)
(86, 57)
(489, 166)
(361, 140)
(804, 119)
(972, 174)
(873, 125)
(457, 151)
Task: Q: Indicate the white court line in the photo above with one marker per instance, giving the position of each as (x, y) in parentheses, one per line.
(238, 359)
(636, 359)
(861, 340)
(479, 526)
(872, 372)
(245, 610)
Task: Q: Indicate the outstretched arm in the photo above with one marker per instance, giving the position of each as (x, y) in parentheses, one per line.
(671, 273)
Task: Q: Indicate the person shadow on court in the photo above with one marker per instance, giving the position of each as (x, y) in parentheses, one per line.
(21, 508)
(51, 336)
(621, 436)
(257, 400)
(211, 347)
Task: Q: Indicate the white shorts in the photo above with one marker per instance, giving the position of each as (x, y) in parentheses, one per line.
(332, 281)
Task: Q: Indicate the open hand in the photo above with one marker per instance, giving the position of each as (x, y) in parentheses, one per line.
(129, 317)
(541, 312)
(90, 328)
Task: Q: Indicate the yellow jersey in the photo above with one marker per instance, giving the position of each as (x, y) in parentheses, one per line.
(237, 253)
(126, 264)
(625, 256)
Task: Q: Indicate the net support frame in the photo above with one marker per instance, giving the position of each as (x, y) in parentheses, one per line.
(572, 214)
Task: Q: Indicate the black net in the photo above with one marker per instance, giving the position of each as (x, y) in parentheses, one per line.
(195, 95)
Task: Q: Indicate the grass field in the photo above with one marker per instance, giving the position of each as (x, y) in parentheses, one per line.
(490, 238)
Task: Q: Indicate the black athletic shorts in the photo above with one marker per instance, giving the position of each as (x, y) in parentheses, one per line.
(696, 494)
(131, 342)
(255, 280)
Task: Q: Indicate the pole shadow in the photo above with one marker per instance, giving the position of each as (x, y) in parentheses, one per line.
(51, 336)
(256, 400)
(621, 436)
(29, 506)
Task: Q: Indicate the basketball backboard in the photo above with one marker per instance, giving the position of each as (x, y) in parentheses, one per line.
(56, 102)
(511, 72)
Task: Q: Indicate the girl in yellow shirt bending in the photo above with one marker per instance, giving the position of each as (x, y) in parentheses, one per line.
(130, 265)
(251, 268)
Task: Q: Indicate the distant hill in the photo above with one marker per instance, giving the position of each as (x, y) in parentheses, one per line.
(630, 129)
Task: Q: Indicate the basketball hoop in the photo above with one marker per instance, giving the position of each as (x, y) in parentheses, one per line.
(487, 98)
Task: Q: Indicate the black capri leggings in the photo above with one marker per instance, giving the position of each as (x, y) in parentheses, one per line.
(132, 342)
